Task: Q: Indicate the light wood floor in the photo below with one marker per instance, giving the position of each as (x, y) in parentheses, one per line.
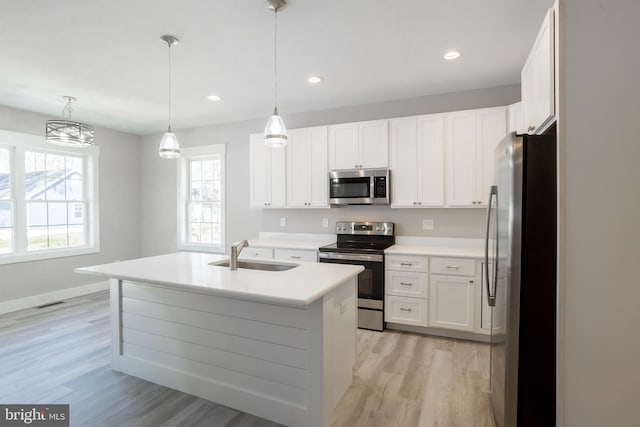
(60, 354)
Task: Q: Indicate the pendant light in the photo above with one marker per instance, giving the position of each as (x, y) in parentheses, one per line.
(66, 132)
(169, 146)
(275, 133)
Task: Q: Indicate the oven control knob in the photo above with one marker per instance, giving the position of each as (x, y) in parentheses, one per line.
(377, 228)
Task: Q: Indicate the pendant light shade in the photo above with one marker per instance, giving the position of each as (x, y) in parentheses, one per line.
(169, 145)
(67, 132)
(275, 132)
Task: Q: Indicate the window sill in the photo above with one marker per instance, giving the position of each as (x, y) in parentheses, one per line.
(42, 255)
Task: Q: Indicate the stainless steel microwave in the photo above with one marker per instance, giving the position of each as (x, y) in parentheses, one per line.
(359, 187)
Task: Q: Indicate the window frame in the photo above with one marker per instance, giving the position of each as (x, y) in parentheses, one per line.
(18, 144)
(183, 182)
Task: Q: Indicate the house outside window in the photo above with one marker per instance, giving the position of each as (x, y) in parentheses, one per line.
(48, 199)
(201, 207)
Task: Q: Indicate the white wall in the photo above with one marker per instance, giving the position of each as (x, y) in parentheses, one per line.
(159, 191)
(119, 213)
(599, 283)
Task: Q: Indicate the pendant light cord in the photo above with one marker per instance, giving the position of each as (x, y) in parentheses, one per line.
(169, 44)
(275, 62)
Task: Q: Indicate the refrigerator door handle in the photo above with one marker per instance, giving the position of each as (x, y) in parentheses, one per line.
(491, 297)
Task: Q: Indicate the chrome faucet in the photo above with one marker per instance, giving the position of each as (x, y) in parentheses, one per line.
(236, 248)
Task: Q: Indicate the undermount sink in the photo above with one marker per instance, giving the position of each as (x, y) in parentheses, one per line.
(256, 265)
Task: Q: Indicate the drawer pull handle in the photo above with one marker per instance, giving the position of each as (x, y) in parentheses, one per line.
(453, 267)
(404, 309)
(406, 264)
(295, 257)
(406, 284)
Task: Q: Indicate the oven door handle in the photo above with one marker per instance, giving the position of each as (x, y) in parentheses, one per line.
(351, 257)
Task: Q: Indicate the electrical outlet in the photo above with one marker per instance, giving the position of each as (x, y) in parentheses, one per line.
(325, 222)
(427, 224)
(283, 222)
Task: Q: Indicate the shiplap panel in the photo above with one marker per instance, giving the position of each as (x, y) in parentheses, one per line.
(255, 367)
(204, 370)
(280, 315)
(245, 328)
(199, 382)
(277, 353)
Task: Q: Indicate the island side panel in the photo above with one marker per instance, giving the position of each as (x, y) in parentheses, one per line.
(246, 355)
(340, 336)
(115, 306)
(332, 350)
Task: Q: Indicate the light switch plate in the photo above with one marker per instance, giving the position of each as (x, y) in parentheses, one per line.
(325, 222)
(283, 222)
(427, 224)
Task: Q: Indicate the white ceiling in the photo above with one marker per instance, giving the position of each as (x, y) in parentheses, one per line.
(109, 55)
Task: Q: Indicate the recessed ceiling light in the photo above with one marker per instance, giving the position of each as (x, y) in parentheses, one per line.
(452, 54)
(315, 79)
(214, 98)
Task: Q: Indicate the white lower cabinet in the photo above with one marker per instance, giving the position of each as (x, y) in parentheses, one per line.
(406, 310)
(451, 300)
(295, 255)
(406, 289)
(257, 253)
(452, 293)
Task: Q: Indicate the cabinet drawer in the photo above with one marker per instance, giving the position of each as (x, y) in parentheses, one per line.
(407, 311)
(453, 266)
(407, 263)
(296, 255)
(407, 284)
(259, 253)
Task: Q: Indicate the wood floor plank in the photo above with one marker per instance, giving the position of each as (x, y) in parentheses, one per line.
(61, 354)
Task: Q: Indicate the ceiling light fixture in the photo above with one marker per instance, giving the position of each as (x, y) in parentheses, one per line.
(214, 98)
(169, 146)
(67, 132)
(275, 132)
(452, 54)
(315, 79)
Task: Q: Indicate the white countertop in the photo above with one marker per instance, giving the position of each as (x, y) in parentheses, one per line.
(435, 251)
(190, 271)
(292, 240)
(437, 246)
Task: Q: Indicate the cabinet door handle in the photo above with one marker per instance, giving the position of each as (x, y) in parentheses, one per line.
(471, 281)
(453, 267)
(420, 203)
(404, 309)
(474, 202)
(295, 257)
(405, 264)
(406, 284)
(531, 128)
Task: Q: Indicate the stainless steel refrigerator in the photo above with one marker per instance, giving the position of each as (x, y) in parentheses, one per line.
(520, 252)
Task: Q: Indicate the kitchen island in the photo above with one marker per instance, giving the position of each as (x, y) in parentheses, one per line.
(276, 344)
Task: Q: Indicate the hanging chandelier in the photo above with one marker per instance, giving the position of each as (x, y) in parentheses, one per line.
(169, 146)
(275, 132)
(67, 132)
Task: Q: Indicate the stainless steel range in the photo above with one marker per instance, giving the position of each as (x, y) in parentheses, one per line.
(363, 243)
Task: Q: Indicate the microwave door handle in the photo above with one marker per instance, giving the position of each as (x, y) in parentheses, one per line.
(491, 298)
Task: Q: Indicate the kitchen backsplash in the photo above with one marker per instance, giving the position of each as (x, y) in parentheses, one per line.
(467, 223)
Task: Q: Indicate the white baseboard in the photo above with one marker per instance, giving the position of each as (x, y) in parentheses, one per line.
(50, 297)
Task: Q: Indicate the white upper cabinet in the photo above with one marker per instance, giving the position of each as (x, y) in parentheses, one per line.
(307, 175)
(267, 174)
(514, 118)
(359, 145)
(538, 80)
(471, 139)
(417, 158)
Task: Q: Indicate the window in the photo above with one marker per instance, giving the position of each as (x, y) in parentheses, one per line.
(201, 199)
(6, 203)
(48, 199)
